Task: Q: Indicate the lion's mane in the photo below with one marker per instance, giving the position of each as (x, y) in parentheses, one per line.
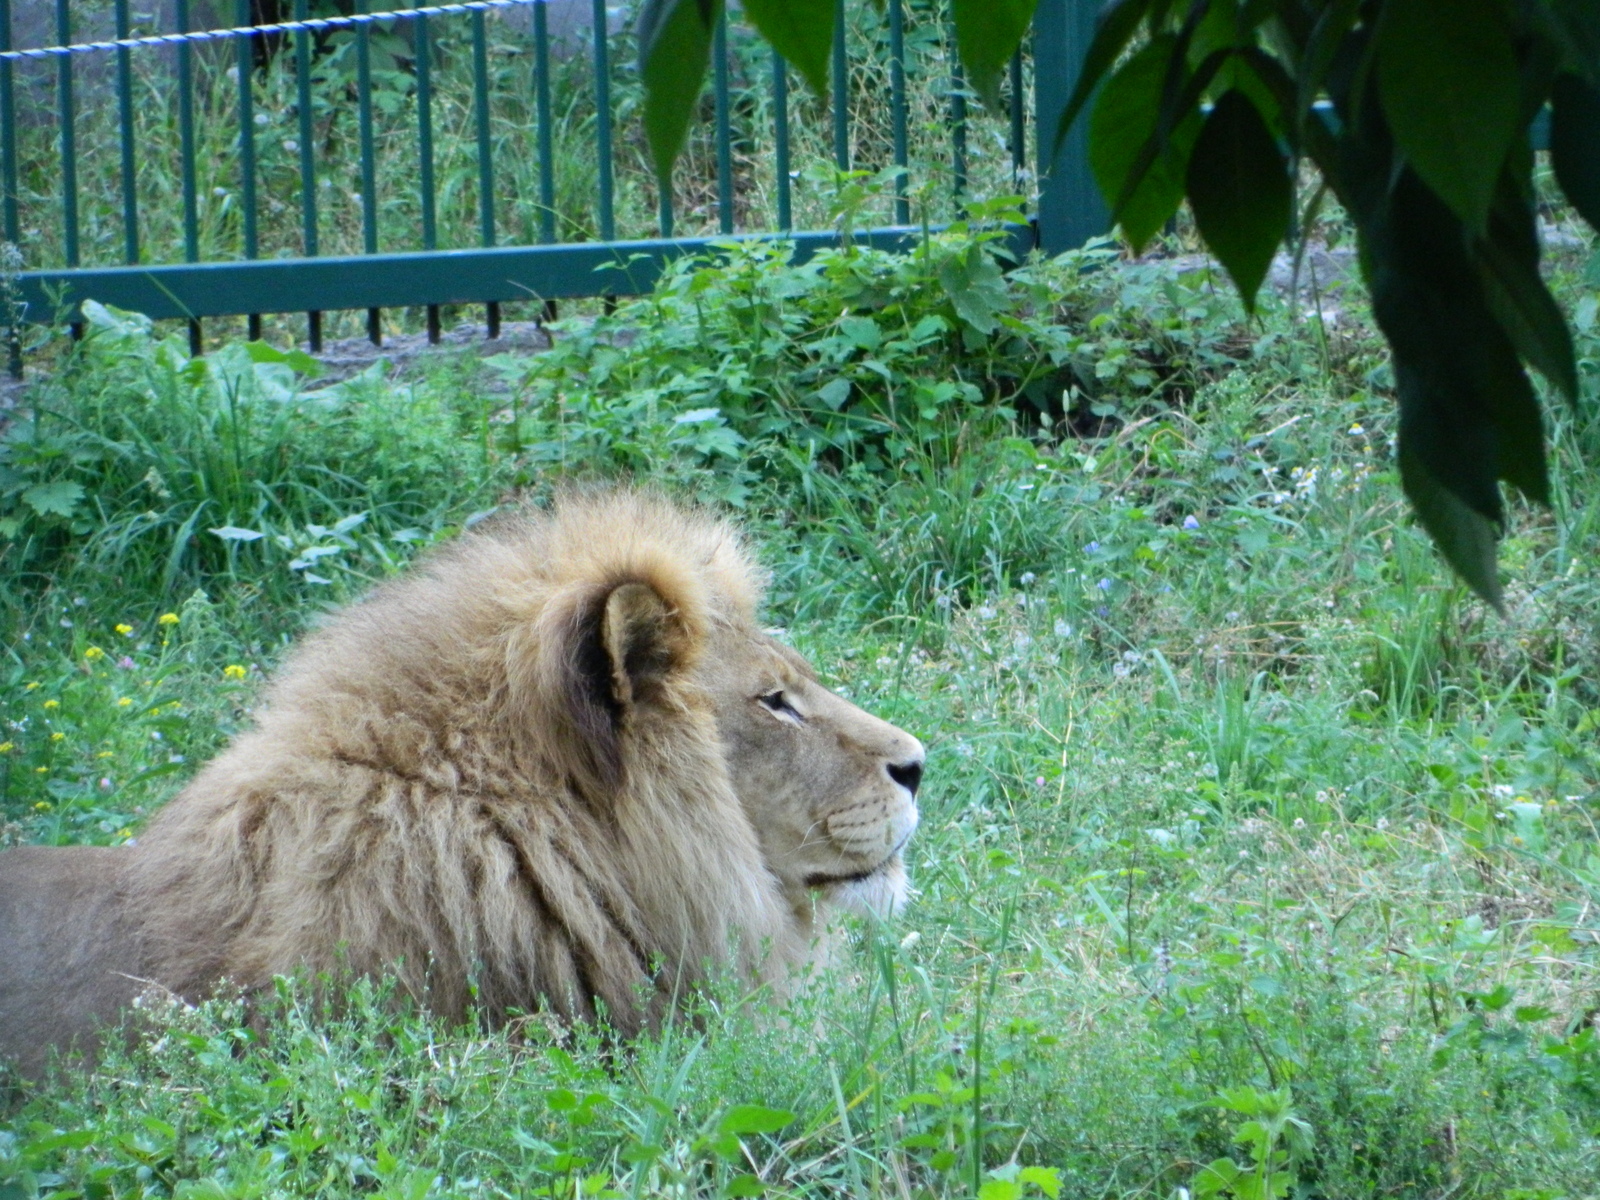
(494, 776)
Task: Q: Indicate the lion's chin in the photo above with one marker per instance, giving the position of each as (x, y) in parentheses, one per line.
(881, 894)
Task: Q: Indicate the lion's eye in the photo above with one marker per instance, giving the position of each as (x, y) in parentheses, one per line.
(777, 702)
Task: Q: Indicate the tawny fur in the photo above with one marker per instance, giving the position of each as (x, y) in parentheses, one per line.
(512, 778)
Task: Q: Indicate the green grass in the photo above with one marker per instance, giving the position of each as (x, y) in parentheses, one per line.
(1238, 809)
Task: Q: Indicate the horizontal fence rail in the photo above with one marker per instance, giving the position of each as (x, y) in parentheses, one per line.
(481, 152)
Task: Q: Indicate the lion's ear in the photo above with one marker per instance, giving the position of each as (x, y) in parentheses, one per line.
(646, 644)
(596, 658)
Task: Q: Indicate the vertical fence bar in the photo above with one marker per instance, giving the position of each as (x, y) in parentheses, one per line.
(480, 108)
(69, 144)
(9, 219)
(130, 180)
(897, 109)
(719, 50)
(602, 102)
(247, 147)
(841, 92)
(369, 164)
(308, 162)
(191, 207)
(422, 54)
(1019, 126)
(780, 138)
(547, 171)
(958, 120)
(1070, 207)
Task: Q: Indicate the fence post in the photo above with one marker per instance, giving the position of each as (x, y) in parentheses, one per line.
(1070, 208)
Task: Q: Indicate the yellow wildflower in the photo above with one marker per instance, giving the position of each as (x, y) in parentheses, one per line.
(106, 754)
(124, 833)
(41, 770)
(58, 736)
(31, 686)
(42, 806)
(123, 629)
(167, 619)
(124, 702)
(94, 652)
(234, 671)
(7, 747)
(52, 704)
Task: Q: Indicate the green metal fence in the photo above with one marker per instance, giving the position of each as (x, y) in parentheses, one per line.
(469, 154)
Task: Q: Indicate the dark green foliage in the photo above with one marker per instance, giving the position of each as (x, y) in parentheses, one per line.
(801, 31)
(1138, 162)
(1428, 155)
(1238, 190)
(988, 32)
(1575, 143)
(674, 47)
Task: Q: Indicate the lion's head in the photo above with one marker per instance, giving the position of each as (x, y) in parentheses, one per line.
(557, 764)
(830, 789)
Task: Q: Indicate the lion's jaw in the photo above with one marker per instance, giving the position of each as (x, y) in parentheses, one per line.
(829, 788)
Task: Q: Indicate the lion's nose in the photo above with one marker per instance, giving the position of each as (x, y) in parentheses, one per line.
(907, 774)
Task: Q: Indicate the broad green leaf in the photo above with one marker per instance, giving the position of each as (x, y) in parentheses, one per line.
(1217, 1178)
(1465, 538)
(1239, 189)
(674, 47)
(801, 31)
(1125, 118)
(1113, 30)
(988, 33)
(1046, 1179)
(834, 393)
(1519, 425)
(744, 1185)
(1508, 262)
(976, 287)
(1575, 144)
(1468, 417)
(1447, 76)
(296, 360)
(754, 1118)
(1000, 1189)
(58, 499)
(1463, 394)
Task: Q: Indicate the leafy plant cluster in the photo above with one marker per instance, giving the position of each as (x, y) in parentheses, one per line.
(862, 356)
(171, 472)
(1424, 142)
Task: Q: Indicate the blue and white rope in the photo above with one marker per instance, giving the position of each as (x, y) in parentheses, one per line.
(217, 35)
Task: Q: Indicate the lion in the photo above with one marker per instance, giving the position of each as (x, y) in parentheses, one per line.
(555, 766)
